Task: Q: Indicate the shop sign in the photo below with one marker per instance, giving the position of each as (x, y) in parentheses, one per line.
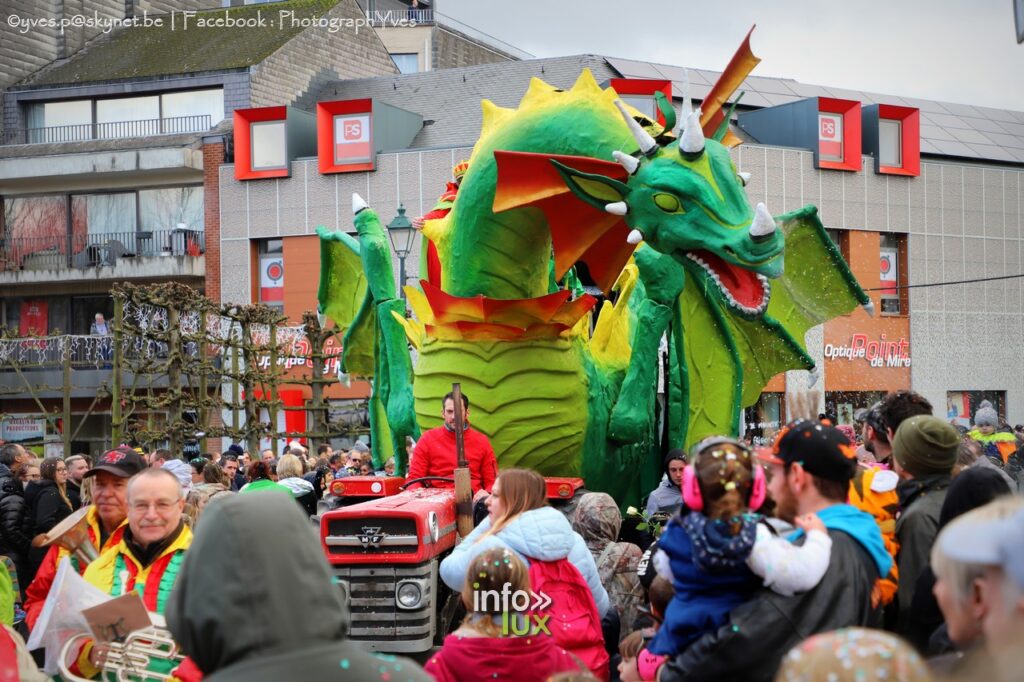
(299, 357)
(14, 429)
(878, 353)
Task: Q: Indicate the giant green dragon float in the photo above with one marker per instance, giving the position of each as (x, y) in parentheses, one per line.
(662, 223)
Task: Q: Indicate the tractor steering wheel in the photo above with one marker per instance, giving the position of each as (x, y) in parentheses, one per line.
(425, 481)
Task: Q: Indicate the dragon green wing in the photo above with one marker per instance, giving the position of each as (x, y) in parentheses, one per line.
(343, 297)
(817, 286)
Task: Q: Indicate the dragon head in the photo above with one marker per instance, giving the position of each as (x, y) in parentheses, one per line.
(684, 198)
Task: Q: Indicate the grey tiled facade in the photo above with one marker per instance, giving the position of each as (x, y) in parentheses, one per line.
(962, 221)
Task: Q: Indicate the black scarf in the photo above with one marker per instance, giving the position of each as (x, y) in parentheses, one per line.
(909, 491)
(147, 555)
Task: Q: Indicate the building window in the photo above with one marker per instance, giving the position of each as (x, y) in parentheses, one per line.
(271, 272)
(962, 406)
(842, 406)
(892, 273)
(116, 117)
(830, 136)
(642, 103)
(890, 143)
(763, 419)
(268, 145)
(179, 109)
(407, 62)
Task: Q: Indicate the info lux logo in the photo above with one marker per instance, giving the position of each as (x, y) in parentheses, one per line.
(515, 607)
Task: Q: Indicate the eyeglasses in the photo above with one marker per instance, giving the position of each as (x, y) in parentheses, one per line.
(161, 506)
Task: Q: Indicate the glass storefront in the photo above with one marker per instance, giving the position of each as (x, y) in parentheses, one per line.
(840, 406)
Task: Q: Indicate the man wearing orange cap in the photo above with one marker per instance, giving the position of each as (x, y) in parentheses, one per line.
(440, 210)
(106, 519)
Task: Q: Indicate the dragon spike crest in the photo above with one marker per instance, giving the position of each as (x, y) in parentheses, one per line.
(691, 144)
(763, 225)
(628, 162)
(687, 107)
(635, 237)
(648, 145)
(617, 208)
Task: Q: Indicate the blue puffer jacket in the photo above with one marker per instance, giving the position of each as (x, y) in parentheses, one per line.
(543, 534)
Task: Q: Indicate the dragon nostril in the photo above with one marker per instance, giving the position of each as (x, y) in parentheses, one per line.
(759, 238)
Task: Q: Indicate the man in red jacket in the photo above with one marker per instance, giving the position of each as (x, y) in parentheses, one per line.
(435, 452)
(106, 519)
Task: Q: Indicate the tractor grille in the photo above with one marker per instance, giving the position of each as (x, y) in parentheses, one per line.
(349, 536)
(376, 619)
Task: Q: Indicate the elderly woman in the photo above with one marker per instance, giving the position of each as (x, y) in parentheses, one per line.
(957, 586)
(597, 520)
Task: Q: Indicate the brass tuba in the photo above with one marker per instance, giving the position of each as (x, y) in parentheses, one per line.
(128, 660)
(72, 534)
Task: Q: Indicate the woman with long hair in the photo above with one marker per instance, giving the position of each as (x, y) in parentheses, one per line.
(486, 646)
(520, 519)
(48, 503)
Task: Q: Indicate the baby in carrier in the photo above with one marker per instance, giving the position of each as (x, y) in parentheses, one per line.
(717, 551)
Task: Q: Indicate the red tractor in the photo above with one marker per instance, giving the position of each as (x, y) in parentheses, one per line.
(385, 544)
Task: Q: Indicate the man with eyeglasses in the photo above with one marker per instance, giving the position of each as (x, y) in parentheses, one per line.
(147, 559)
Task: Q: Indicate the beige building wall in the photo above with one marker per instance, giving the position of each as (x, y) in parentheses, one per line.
(411, 40)
(964, 222)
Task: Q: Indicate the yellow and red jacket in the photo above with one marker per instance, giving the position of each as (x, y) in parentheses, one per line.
(39, 589)
(877, 496)
(117, 572)
(1003, 443)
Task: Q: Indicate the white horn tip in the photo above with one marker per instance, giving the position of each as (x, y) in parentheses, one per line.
(618, 208)
(744, 178)
(763, 224)
(626, 161)
(358, 203)
(635, 237)
(692, 141)
(869, 308)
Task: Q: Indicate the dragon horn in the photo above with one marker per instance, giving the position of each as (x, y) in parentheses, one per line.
(744, 178)
(635, 237)
(687, 104)
(763, 225)
(628, 162)
(358, 203)
(618, 208)
(647, 144)
(691, 144)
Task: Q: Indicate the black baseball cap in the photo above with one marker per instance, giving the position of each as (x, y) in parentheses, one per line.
(122, 461)
(820, 449)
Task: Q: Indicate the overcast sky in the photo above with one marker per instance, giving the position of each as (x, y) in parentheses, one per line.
(948, 50)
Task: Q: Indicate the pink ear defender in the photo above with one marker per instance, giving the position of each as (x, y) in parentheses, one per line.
(691, 486)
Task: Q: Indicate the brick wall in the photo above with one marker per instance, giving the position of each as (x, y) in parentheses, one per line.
(304, 65)
(213, 157)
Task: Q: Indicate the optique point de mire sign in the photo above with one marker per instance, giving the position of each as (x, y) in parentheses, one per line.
(880, 353)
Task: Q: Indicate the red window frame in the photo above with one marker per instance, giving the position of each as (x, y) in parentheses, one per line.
(850, 111)
(910, 139)
(325, 113)
(244, 118)
(643, 86)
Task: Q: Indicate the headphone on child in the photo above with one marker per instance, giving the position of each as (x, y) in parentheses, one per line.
(691, 484)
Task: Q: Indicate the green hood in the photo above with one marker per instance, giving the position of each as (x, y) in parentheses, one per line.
(255, 599)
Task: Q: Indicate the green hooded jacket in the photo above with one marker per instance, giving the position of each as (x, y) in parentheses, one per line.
(254, 600)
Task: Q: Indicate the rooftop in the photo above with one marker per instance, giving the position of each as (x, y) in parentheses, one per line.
(175, 47)
(449, 101)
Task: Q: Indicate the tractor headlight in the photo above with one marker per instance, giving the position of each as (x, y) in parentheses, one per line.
(409, 594)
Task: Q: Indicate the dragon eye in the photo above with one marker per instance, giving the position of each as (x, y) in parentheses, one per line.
(668, 203)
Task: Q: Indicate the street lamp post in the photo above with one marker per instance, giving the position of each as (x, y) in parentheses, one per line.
(402, 236)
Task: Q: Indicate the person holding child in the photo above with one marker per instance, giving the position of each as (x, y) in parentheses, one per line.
(810, 468)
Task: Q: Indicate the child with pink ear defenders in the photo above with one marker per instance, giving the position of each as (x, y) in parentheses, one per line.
(717, 551)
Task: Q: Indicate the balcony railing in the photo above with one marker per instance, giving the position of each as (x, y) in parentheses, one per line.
(97, 249)
(399, 17)
(108, 131)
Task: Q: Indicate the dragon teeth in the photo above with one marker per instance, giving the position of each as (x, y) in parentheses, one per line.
(746, 310)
